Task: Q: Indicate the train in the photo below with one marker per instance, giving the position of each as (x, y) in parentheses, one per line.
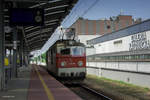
(66, 60)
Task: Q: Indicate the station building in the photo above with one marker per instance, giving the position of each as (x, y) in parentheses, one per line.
(123, 55)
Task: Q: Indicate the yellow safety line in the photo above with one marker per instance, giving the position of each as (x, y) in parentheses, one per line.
(48, 92)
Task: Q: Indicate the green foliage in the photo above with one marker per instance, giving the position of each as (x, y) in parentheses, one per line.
(41, 58)
(118, 88)
(120, 83)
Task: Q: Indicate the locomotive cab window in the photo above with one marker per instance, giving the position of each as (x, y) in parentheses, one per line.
(65, 51)
(77, 51)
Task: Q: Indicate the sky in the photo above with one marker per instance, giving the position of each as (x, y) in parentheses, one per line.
(107, 8)
(100, 9)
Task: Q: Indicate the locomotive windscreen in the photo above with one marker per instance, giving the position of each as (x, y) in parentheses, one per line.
(65, 51)
(77, 51)
(74, 51)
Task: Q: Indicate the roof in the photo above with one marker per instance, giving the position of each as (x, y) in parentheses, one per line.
(36, 36)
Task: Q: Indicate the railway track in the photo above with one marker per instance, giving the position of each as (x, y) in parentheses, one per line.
(102, 97)
(87, 93)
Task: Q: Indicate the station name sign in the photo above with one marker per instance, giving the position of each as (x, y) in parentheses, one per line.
(139, 42)
(26, 17)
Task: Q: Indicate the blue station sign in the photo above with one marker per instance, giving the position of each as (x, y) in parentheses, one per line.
(26, 17)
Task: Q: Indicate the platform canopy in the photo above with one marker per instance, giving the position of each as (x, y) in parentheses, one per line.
(35, 36)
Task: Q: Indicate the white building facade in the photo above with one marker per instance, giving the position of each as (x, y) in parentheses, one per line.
(137, 41)
(123, 55)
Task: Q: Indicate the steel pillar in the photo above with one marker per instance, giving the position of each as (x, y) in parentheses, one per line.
(10, 57)
(2, 49)
(14, 69)
(23, 61)
(21, 51)
(28, 58)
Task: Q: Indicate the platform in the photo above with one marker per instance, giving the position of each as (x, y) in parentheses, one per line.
(34, 83)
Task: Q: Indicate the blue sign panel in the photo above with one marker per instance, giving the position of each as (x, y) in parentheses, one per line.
(26, 17)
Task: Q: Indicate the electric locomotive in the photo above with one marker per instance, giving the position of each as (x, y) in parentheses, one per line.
(66, 60)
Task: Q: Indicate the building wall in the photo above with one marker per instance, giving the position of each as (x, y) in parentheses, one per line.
(84, 38)
(109, 46)
(90, 51)
(117, 45)
(133, 78)
(126, 66)
(130, 72)
(100, 27)
(94, 71)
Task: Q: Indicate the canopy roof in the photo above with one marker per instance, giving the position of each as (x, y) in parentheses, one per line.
(36, 36)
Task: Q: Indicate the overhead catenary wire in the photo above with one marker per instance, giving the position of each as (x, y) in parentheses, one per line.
(74, 11)
(92, 5)
(55, 36)
(79, 10)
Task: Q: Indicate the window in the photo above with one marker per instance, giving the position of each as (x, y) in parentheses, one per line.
(77, 51)
(91, 58)
(147, 56)
(65, 51)
(118, 42)
(108, 26)
(120, 58)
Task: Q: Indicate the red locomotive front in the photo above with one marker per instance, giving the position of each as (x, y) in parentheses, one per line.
(69, 60)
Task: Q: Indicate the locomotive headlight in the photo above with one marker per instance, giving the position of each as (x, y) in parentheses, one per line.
(80, 63)
(63, 63)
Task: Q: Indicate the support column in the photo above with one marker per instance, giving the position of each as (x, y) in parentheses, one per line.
(10, 61)
(23, 57)
(36, 60)
(2, 50)
(21, 51)
(10, 57)
(14, 69)
(28, 58)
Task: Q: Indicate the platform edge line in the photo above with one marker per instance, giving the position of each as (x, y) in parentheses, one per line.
(48, 92)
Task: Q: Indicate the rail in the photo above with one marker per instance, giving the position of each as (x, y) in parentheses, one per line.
(103, 97)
